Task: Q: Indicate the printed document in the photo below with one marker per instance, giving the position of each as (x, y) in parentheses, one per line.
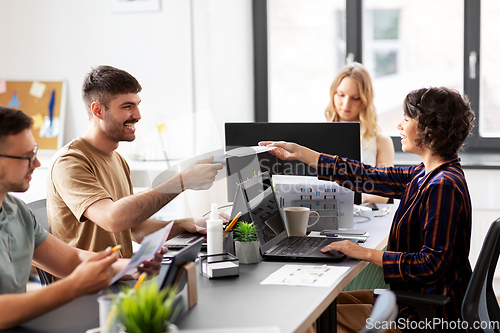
(151, 244)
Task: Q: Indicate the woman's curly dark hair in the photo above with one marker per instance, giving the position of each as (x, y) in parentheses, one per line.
(444, 118)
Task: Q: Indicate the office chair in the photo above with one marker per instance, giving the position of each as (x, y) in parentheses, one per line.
(384, 310)
(480, 303)
(39, 209)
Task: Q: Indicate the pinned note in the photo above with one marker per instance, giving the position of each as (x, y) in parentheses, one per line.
(14, 102)
(37, 89)
(3, 86)
(37, 121)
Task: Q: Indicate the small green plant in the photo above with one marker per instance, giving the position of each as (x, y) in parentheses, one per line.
(147, 309)
(245, 232)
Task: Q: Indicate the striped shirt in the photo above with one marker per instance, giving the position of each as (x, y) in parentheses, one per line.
(429, 242)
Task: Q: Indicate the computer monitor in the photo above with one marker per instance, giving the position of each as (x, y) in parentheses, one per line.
(341, 139)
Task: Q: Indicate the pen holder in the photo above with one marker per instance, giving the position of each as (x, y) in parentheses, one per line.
(228, 242)
(219, 265)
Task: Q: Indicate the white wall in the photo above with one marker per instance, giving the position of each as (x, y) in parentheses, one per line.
(484, 188)
(191, 55)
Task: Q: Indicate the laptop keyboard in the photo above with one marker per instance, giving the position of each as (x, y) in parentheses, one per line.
(301, 246)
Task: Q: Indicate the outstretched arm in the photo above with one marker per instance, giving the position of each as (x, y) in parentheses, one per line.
(291, 151)
(181, 225)
(130, 211)
(90, 275)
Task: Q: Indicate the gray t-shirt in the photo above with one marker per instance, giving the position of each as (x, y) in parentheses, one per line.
(20, 234)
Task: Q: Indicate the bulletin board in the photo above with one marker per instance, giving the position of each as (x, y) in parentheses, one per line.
(45, 102)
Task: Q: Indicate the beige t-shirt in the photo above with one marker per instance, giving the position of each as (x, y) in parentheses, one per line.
(79, 176)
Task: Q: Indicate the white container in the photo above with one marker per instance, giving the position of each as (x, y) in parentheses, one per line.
(214, 232)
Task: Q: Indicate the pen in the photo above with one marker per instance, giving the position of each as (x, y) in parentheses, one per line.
(111, 315)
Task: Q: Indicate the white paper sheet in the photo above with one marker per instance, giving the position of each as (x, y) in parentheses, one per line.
(37, 89)
(246, 151)
(305, 275)
(151, 244)
(3, 86)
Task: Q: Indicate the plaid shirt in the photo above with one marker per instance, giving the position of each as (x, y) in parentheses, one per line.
(429, 242)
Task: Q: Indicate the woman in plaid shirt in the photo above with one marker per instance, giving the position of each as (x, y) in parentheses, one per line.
(429, 242)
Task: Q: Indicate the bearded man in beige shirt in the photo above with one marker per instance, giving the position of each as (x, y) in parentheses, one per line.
(90, 200)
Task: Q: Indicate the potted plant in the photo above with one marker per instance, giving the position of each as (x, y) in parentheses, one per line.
(147, 309)
(246, 243)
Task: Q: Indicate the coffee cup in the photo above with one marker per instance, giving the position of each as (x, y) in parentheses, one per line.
(296, 220)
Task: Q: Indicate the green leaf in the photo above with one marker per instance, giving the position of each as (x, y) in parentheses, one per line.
(245, 232)
(147, 310)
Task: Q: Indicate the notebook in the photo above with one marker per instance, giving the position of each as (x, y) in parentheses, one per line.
(256, 200)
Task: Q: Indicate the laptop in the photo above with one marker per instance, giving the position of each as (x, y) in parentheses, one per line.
(257, 201)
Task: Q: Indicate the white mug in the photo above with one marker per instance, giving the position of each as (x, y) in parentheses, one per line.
(296, 219)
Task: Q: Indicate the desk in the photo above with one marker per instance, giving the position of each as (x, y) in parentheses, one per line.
(291, 309)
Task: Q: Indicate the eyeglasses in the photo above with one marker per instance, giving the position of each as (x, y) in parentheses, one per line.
(31, 158)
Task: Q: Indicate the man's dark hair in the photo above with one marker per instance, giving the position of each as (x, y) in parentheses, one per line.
(444, 118)
(13, 121)
(104, 82)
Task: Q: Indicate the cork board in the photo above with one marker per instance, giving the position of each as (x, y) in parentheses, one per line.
(44, 101)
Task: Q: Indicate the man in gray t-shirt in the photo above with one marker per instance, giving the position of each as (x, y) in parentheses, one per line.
(24, 242)
(21, 235)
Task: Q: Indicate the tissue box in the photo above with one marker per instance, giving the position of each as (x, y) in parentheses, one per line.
(219, 265)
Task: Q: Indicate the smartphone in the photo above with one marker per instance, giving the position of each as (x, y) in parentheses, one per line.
(351, 232)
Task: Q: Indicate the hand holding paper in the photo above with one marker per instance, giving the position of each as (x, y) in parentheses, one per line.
(150, 245)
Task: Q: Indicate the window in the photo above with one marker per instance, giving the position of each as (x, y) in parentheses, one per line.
(403, 51)
(489, 125)
(382, 39)
(405, 45)
(306, 49)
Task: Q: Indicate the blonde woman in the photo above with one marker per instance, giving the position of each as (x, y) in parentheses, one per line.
(351, 99)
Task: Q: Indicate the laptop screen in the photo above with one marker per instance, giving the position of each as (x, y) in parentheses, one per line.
(262, 207)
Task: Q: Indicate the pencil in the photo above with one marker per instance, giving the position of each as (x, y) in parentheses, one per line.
(116, 248)
(139, 281)
(109, 320)
(233, 222)
(231, 225)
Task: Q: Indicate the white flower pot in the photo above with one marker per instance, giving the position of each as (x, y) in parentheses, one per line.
(248, 252)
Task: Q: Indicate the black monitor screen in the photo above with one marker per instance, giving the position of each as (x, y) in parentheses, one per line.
(341, 139)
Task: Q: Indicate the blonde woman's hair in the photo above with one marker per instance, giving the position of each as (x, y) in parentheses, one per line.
(368, 115)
